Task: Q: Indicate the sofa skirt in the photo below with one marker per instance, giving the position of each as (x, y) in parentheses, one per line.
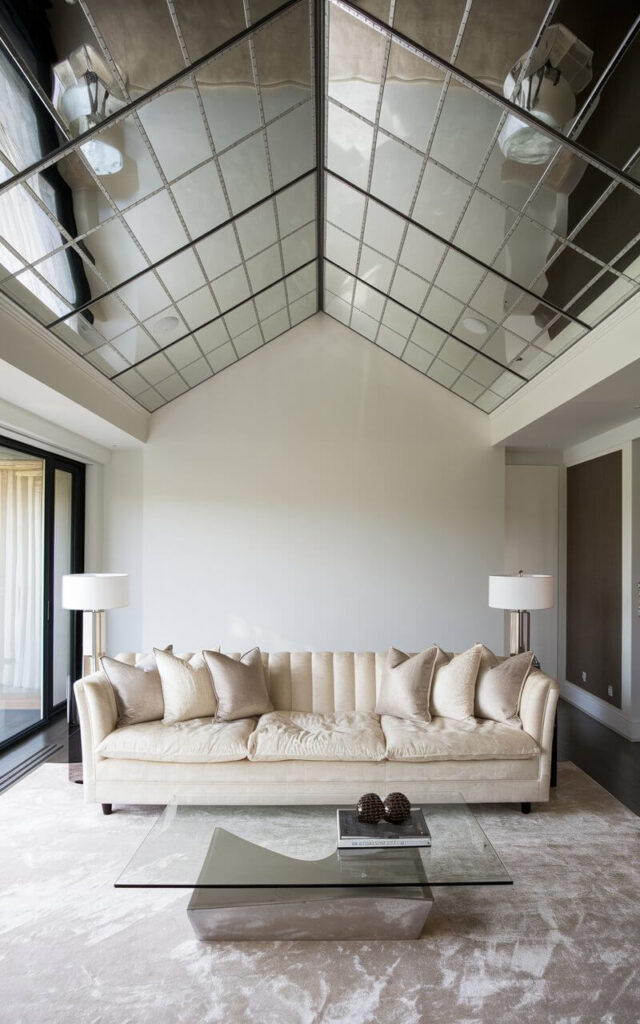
(317, 782)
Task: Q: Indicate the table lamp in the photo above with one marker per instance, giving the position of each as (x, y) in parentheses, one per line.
(519, 594)
(95, 592)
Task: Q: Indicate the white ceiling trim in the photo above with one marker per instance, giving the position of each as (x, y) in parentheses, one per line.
(35, 351)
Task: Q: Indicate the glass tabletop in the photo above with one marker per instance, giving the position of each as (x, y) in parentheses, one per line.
(264, 847)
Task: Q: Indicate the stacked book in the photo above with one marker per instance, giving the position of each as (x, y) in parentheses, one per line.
(353, 834)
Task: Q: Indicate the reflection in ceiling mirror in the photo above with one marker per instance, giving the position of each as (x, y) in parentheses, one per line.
(228, 93)
(356, 62)
(283, 62)
(412, 92)
(452, 208)
(85, 92)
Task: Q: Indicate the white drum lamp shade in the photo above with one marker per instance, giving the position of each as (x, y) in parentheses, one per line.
(95, 591)
(520, 594)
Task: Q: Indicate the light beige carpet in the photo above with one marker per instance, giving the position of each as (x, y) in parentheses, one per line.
(561, 945)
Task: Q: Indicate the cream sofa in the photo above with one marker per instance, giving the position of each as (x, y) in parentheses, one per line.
(202, 762)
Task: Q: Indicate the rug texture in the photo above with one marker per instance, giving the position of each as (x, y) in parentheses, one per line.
(561, 945)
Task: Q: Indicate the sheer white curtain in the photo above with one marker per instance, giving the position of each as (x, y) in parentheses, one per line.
(21, 565)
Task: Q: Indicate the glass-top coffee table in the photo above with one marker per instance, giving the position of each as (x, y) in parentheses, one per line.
(268, 872)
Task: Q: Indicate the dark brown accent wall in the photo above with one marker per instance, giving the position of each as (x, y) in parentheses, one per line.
(594, 575)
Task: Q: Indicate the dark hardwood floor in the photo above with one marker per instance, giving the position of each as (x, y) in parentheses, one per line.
(604, 755)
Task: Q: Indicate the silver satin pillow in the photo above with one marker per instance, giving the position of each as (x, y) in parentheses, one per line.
(499, 686)
(138, 692)
(240, 686)
(406, 684)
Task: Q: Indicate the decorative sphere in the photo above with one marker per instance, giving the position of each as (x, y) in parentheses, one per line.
(370, 808)
(397, 808)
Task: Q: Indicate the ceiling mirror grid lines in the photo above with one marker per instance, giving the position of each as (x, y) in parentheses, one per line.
(462, 192)
(525, 348)
(160, 325)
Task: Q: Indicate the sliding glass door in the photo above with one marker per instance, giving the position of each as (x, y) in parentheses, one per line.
(41, 538)
(21, 590)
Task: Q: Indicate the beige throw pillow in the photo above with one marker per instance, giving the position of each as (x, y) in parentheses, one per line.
(406, 684)
(147, 661)
(500, 685)
(138, 692)
(454, 682)
(186, 687)
(240, 687)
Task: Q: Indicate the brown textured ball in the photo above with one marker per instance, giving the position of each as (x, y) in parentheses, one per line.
(370, 808)
(397, 808)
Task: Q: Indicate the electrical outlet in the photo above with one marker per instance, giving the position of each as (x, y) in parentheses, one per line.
(584, 677)
(610, 691)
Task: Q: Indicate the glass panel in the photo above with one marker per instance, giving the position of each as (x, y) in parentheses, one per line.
(186, 144)
(201, 199)
(349, 143)
(612, 226)
(245, 173)
(27, 130)
(229, 96)
(383, 230)
(409, 289)
(62, 563)
(465, 131)
(356, 58)
(201, 32)
(297, 205)
(157, 226)
(344, 206)
(283, 60)
(412, 92)
(120, 23)
(21, 583)
(396, 171)
(434, 26)
(441, 200)
(292, 145)
(139, 176)
(25, 226)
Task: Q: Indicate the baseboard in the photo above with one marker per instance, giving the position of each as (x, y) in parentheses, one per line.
(596, 708)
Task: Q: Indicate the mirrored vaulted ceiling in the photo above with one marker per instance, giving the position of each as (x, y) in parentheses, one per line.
(182, 181)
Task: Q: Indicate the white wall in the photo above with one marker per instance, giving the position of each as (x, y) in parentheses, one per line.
(319, 494)
(122, 491)
(531, 544)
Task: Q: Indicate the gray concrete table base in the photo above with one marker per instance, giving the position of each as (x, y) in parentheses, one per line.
(358, 912)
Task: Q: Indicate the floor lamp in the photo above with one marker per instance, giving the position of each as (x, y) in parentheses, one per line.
(519, 595)
(95, 592)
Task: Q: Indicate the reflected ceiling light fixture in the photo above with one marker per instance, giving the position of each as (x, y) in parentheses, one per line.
(559, 68)
(166, 324)
(475, 326)
(83, 94)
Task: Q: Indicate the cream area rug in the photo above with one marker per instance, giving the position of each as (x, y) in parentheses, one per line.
(561, 945)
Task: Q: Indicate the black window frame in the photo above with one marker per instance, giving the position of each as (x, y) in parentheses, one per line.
(53, 461)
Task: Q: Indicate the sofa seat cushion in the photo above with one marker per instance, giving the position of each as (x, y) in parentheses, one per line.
(198, 739)
(308, 736)
(446, 739)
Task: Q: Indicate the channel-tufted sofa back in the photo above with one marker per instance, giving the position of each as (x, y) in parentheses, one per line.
(324, 681)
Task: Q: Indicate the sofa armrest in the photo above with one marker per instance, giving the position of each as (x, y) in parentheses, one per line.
(538, 707)
(98, 715)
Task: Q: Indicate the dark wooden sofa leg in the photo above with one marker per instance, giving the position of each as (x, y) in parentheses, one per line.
(524, 807)
(107, 808)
